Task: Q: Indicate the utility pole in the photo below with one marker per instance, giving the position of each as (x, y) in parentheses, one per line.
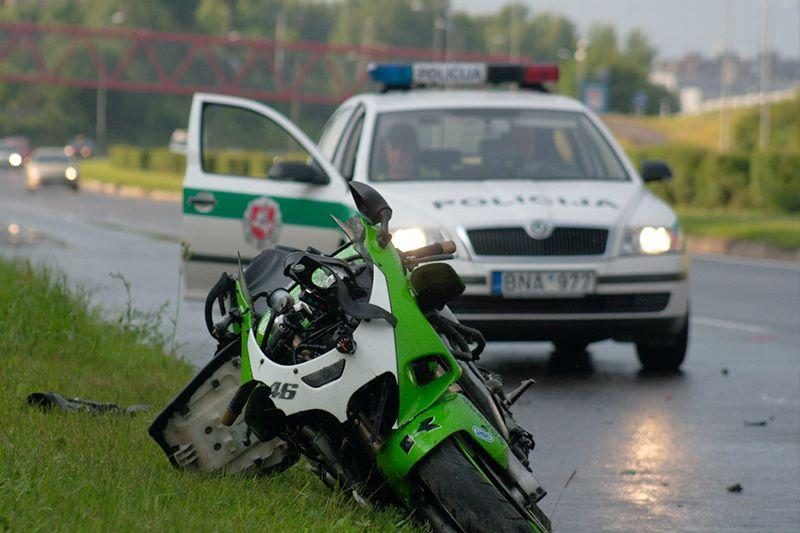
(724, 112)
(117, 18)
(513, 33)
(766, 74)
(100, 110)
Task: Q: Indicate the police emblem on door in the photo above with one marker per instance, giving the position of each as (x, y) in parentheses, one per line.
(262, 222)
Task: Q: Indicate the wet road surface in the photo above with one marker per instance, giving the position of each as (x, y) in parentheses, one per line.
(640, 452)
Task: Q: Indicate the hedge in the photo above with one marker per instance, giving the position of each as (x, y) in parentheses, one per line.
(775, 180)
(124, 155)
(704, 178)
(241, 162)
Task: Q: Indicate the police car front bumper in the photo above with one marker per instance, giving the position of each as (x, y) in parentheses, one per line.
(633, 297)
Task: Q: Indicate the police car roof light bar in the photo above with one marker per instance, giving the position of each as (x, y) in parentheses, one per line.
(402, 76)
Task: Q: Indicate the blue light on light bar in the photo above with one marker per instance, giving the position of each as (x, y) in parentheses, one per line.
(391, 75)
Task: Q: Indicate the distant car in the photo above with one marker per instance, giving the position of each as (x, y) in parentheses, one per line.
(177, 142)
(13, 151)
(79, 146)
(50, 166)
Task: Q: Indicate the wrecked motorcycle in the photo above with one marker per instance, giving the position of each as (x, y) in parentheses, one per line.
(353, 361)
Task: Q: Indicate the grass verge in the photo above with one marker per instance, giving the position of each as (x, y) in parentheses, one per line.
(779, 230)
(103, 170)
(78, 471)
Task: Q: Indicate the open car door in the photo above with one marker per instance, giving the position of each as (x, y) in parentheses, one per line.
(253, 179)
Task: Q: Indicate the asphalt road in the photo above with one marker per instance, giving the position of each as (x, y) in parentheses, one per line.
(636, 452)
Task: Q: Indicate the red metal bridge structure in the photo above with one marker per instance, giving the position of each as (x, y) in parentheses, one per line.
(183, 63)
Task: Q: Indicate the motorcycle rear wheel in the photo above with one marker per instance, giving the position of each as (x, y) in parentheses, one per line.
(469, 501)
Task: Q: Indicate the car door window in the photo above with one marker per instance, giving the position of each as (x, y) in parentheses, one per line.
(332, 132)
(242, 143)
(348, 159)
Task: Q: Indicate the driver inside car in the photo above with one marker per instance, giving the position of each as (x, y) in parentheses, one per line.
(400, 155)
(538, 154)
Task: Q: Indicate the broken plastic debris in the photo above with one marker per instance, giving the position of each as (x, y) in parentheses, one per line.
(50, 400)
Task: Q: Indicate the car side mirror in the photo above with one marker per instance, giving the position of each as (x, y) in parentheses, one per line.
(299, 172)
(655, 171)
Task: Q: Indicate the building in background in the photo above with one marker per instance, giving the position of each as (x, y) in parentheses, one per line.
(697, 80)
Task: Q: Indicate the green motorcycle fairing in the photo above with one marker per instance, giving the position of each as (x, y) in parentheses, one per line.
(427, 413)
(453, 414)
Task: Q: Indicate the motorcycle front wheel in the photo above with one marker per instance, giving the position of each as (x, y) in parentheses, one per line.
(466, 498)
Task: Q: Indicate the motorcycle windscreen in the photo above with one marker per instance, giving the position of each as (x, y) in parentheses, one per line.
(192, 436)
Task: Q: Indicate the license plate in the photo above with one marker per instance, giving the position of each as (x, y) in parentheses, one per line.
(533, 284)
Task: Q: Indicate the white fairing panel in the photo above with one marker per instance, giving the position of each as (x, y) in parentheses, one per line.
(375, 355)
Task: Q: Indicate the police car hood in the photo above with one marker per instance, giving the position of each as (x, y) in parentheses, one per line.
(503, 203)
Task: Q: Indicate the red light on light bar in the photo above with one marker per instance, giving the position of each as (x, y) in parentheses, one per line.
(535, 74)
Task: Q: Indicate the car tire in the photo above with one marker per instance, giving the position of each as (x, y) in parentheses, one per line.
(665, 356)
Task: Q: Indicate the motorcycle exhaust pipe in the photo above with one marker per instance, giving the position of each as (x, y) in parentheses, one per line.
(237, 403)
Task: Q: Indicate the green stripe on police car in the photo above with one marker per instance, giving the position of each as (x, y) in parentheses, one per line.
(295, 211)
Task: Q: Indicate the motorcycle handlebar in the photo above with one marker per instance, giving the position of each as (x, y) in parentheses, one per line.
(437, 248)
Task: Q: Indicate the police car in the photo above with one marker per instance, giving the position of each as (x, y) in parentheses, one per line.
(558, 237)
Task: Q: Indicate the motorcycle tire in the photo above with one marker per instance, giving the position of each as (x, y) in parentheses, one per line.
(471, 503)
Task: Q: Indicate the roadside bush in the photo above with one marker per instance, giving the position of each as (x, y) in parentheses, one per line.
(723, 180)
(124, 155)
(259, 163)
(775, 180)
(684, 160)
(785, 127)
(229, 162)
(163, 160)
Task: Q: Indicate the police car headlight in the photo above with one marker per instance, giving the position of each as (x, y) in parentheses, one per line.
(405, 239)
(71, 174)
(651, 240)
(15, 160)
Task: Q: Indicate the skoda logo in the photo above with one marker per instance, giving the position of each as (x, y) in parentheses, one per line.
(540, 229)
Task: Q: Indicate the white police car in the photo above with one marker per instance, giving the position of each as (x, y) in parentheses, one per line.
(558, 237)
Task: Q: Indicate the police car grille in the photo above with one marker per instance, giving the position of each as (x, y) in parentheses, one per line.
(515, 241)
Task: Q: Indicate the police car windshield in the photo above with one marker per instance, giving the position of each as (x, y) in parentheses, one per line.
(487, 144)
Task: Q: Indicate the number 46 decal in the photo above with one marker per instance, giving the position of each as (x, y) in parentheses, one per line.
(284, 391)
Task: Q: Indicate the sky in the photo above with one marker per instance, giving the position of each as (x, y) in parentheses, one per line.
(676, 27)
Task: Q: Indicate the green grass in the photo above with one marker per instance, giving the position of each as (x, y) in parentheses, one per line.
(780, 230)
(103, 170)
(78, 471)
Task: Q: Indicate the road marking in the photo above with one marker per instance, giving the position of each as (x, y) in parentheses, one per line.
(742, 261)
(728, 324)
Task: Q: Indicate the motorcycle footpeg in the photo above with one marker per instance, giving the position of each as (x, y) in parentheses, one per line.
(515, 394)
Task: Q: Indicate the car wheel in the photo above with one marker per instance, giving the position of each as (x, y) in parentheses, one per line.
(667, 355)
